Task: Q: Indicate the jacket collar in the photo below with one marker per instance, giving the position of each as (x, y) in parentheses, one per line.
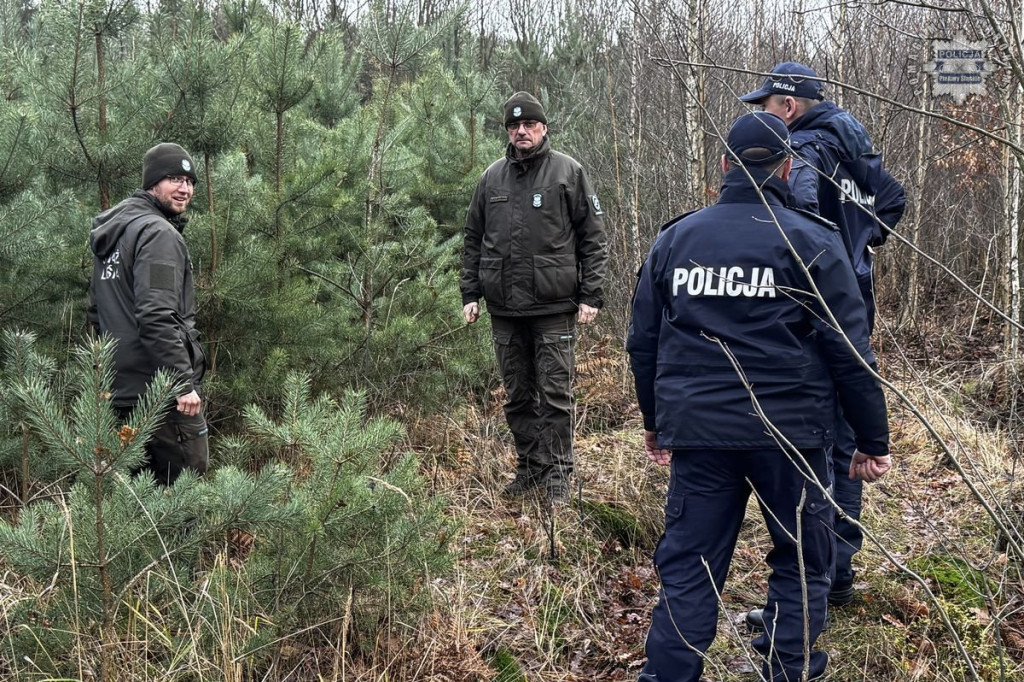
(738, 189)
(814, 117)
(535, 155)
(177, 220)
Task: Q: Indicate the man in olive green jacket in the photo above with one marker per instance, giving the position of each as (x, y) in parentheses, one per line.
(535, 251)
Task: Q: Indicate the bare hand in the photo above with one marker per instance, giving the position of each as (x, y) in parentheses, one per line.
(869, 468)
(471, 311)
(659, 456)
(587, 313)
(190, 404)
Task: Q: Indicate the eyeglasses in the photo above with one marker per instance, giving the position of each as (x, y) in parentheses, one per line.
(528, 125)
(180, 180)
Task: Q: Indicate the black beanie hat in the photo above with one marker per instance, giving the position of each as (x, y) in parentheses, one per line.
(166, 159)
(523, 106)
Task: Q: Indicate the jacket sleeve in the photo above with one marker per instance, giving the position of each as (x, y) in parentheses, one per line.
(159, 273)
(642, 338)
(805, 176)
(591, 247)
(860, 393)
(469, 283)
(890, 203)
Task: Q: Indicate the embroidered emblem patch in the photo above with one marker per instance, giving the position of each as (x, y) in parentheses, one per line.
(517, 112)
(186, 165)
(597, 204)
(537, 200)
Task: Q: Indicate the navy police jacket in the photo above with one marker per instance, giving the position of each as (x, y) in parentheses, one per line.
(838, 175)
(725, 325)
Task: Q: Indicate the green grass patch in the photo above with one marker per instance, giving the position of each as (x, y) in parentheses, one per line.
(506, 666)
(955, 579)
(612, 522)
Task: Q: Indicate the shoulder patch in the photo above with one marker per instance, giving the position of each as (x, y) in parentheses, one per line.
(162, 276)
(824, 222)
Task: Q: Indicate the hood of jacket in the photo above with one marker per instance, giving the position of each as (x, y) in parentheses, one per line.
(847, 136)
(853, 139)
(108, 226)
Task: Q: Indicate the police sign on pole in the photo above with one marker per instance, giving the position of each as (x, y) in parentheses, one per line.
(959, 67)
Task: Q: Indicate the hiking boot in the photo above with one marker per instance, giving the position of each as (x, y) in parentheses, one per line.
(755, 619)
(558, 493)
(522, 485)
(841, 595)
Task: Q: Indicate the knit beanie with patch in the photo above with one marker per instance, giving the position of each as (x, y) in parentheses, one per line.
(523, 106)
(166, 159)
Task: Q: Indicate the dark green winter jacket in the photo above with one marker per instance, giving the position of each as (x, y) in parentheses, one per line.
(534, 242)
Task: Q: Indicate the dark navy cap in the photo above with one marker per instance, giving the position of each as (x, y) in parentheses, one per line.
(758, 138)
(788, 78)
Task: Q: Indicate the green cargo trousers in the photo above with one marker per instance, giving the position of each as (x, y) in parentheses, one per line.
(535, 355)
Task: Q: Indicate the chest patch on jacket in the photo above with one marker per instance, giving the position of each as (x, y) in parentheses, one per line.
(500, 197)
(724, 281)
(538, 200)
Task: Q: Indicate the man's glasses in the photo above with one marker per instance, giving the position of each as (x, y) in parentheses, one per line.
(528, 125)
(180, 180)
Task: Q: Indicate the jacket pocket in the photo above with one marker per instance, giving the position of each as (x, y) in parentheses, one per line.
(554, 277)
(491, 281)
(193, 437)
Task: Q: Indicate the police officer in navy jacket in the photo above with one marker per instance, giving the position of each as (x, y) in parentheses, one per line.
(738, 363)
(838, 175)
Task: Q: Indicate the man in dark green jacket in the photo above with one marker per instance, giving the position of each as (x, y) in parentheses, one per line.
(143, 296)
(535, 251)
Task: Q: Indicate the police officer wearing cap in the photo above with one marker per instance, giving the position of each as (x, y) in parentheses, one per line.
(535, 250)
(142, 294)
(737, 365)
(837, 174)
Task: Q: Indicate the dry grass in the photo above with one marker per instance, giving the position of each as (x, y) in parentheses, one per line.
(567, 597)
(583, 614)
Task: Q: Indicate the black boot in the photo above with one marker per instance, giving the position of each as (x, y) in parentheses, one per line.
(755, 619)
(558, 492)
(522, 485)
(841, 595)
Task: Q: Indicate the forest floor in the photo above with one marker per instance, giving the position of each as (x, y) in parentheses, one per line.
(567, 597)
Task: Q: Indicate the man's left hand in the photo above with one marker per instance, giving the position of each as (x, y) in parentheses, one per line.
(660, 456)
(869, 468)
(587, 313)
(190, 404)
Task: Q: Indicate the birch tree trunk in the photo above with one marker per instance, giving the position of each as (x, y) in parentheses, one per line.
(1014, 162)
(910, 309)
(693, 105)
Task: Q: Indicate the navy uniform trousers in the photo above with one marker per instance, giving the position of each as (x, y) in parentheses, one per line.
(848, 495)
(706, 502)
